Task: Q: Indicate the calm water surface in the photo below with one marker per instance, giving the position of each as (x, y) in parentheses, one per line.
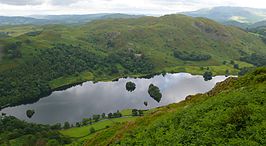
(82, 101)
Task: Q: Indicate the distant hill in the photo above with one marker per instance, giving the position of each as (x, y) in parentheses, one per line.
(20, 21)
(60, 19)
(229, 14)
(258, 24)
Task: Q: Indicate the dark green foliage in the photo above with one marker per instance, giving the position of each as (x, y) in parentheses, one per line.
(136, 112)
(85, 121)
(227, 73)
(207, 75)
(103, 116)
(96, 118)
(110, 115)
(155, 93)
(11, 129)
(192, 56)
(66, 125)
(145, 103)
(130, 86)
(92, 130)
(130, 61)
(34, 33)
(236, 66)
(30, 79)
(30, 113)
(244, 71)
(13, 50)
(256, 59)
(117, 114)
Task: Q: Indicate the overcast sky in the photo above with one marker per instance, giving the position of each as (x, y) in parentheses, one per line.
(42, 7)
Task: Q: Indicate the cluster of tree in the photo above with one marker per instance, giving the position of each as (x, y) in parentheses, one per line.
(155, 93)
(131, 62)
(116, 114)
(11, 128)
(207, 75)
(30, 79)
(136, 112)
(193, 56)
(12, 50)
(255, 59)
(34, 33)
(130, 86)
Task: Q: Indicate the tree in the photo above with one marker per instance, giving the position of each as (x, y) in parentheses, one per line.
(78, 124)
(135, 112)
(56, 126)
(227, 73)
(145, 103)
(140, 112)
(236, 66)
(130, 86)
(155, 93)
(207, 75)
(103, 116)
(85, 121)
(92, 130)
(110, 115)
(66, 125)
(117, 114)
(30, 113)
(96, 118)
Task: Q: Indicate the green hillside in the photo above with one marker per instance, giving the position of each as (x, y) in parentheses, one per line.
(232, 113)
(38, 59)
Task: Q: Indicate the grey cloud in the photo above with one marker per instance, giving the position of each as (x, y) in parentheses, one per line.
(21, 2)
(63, 2)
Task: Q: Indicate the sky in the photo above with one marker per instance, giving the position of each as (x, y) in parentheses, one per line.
(152, 7)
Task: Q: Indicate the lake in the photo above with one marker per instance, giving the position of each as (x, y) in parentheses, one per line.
(82, 101)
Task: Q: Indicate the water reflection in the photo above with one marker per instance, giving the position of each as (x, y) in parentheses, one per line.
(84, 100)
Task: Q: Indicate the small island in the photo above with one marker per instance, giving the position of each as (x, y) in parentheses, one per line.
(155, 93)
(30, 113)
(130, 86)
(207, 76)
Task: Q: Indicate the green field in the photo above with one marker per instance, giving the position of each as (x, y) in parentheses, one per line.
(80, 134)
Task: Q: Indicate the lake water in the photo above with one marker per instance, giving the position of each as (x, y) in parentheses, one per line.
(90, 98)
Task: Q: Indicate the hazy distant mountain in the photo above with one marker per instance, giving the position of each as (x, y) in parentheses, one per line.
(258, 24)
(231, 14)
(20, 20)
(60, 19)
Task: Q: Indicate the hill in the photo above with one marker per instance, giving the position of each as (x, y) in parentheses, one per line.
(232, 113)
(45, 58)
(60, 19)
(236, 16)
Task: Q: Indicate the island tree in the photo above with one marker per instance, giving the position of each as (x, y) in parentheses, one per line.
(30, 113)
(155, 93)
(207, 75)
(130, 86)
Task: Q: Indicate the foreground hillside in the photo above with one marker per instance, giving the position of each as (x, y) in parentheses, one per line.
(39, 59)
(233, 113)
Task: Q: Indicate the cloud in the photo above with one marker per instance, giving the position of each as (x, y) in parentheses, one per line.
(22, 2)
(33, 7)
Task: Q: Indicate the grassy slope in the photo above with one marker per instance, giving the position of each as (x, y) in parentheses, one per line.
(151, 36)
(231, 114)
